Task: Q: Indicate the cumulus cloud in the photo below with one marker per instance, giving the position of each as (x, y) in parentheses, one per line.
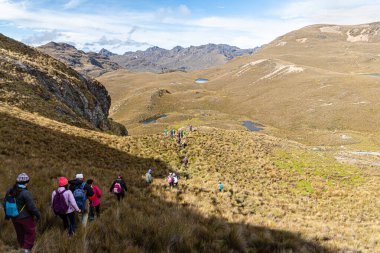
(42, 37)
(122, 30)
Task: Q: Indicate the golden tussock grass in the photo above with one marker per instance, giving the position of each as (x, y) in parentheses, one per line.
(258, 211)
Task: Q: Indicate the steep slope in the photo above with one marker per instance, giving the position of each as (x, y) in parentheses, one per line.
(160, 60)
(91, 64)
(38, 83)
(278, 196)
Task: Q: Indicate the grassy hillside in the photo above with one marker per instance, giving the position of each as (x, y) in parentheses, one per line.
(279, 196)
(313, 81)
(38, 83)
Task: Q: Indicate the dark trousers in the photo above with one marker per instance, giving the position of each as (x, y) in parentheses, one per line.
(120, 195)
(69, 222)
(93, 210)
(26, 231)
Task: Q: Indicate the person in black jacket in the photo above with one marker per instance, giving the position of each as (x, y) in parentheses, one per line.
(119, 188)
(79, 188)
(25, 222)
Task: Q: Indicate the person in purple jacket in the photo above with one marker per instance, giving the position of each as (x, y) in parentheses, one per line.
(64, 205)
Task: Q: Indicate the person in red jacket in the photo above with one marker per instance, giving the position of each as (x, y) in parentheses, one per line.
(94, 200)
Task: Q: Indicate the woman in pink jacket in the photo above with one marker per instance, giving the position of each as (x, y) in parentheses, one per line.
(94, 200)
(64, 205)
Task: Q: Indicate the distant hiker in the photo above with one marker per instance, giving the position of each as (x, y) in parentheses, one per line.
(190, 128)
(166, 132)
(94, 200)
(175, 179)
(220, 186)
(64, 205)
(179, 134)
(119, 188)
(81, 192)
(172, 132)
(179, 140)
(170, 179)
(19, 206)
(149, 177)
(185, 161)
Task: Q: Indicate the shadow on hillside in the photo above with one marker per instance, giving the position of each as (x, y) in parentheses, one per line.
(143, 222)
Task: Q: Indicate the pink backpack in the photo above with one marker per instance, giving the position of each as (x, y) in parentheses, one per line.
(117, 188)
(170, 179)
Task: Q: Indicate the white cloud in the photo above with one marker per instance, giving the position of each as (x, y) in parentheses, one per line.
(168, 27)
(73, 4)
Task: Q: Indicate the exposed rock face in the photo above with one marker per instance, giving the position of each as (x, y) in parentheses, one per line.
(160, 60)
(36, 82)
(92, 64)
(153, 59)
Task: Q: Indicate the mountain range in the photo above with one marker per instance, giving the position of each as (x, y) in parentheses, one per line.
(153, 59)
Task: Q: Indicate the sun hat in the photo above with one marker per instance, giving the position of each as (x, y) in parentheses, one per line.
(23, 178)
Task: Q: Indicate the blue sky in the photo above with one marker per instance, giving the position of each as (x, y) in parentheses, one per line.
(129, 25)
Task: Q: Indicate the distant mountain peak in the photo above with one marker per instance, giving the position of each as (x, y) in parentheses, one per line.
(106, 52)
(58, 45)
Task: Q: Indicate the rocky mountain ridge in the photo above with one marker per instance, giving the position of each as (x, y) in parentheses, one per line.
(36, 82)
(153, 59)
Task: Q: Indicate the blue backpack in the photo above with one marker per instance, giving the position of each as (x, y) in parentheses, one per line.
(11, 210)
(80, 196)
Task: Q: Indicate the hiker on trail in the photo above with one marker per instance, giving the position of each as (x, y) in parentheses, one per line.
(175, 179)
(190, 128)
(81, 192)
(119, 188)
(170, 179)
(166, 132)
(185, 161)
(19, 206)
(149, 177)
(94, 200)
(172, 133)
(64, 205)
(179, 140)
(183, 143)
(220, 187)
(179, 134)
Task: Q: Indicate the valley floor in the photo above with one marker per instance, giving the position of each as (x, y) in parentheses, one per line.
(279, 195)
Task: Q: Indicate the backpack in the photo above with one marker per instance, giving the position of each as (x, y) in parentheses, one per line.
(80, 196)
(117, 188)
(170, 179)
(10, 207)
(59, 203)
(148, 178)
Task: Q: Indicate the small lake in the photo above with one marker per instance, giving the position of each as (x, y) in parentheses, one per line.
(201, 80)
(374, 75)
(252, 127)
(154, 119)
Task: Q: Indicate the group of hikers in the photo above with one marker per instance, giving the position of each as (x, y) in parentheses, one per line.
(179, 134)
(70, 197)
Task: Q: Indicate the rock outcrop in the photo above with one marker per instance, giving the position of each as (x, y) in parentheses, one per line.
(39, 83)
